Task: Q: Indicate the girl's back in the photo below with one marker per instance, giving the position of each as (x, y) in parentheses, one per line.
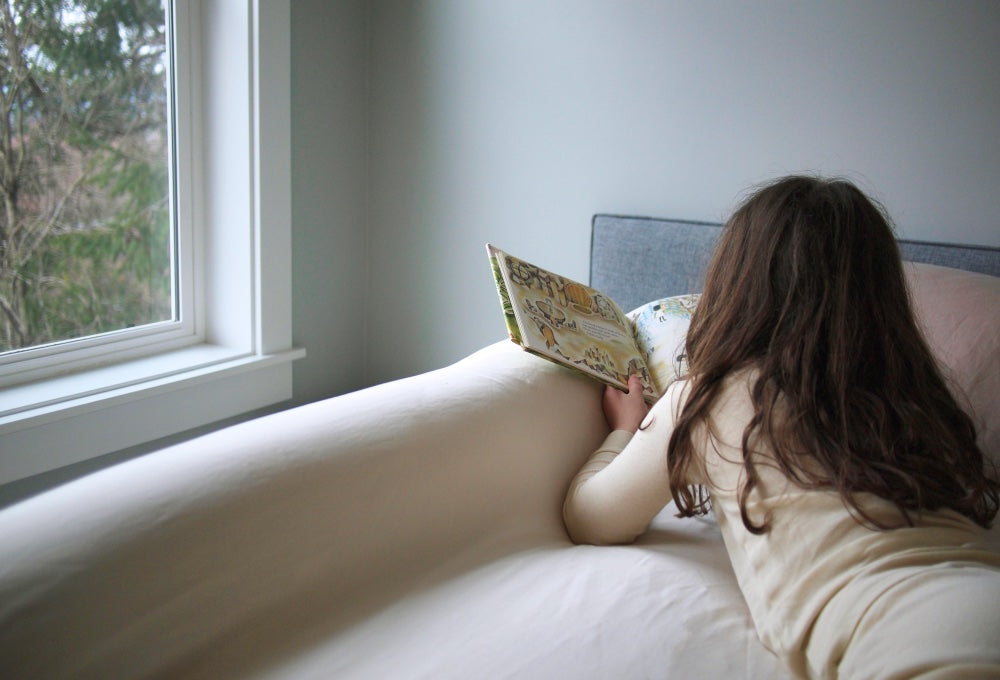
(818, 577)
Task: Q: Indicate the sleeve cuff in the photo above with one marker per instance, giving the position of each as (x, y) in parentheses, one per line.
(616, 441)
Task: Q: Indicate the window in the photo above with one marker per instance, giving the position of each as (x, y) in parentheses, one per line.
(86, 222)
(228, 350)
(88, 230)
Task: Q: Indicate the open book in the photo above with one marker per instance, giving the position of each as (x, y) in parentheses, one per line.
(577, 326)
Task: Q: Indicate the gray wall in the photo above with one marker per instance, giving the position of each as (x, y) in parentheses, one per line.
(329, 102)
(515, 121)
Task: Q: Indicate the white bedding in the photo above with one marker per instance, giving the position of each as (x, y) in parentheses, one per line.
(514, 607)
(665, 607)
(411, 530)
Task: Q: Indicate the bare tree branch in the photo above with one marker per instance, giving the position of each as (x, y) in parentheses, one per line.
(12, 316)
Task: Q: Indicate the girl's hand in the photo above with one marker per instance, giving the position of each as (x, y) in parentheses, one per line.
(625, 411)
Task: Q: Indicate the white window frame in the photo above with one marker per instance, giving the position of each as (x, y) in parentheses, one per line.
(234, 353)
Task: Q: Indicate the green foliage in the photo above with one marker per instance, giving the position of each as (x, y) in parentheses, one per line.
(84, 221)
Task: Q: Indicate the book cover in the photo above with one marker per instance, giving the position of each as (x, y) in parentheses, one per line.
(568, 322)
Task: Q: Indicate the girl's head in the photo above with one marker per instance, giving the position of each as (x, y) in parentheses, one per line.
(807, 288)
(799, 264)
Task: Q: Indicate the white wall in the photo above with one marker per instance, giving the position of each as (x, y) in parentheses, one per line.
(329, 81)
(516, 121)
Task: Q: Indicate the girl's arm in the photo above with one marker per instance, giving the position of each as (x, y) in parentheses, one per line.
(625, 483)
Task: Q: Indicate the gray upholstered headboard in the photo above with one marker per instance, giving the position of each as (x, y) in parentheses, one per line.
(637, 259)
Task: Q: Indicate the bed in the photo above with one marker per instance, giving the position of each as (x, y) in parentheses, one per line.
(413, 529)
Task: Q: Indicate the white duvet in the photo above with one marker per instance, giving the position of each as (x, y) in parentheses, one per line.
(411, 530)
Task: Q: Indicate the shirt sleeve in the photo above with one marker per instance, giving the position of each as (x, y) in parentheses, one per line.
(625, 483)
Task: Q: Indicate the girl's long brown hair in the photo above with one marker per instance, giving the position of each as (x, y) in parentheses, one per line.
(806, 286)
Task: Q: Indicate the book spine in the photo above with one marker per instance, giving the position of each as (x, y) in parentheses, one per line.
(508, 308)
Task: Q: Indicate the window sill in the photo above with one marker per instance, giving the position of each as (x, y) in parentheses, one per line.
(64, 420)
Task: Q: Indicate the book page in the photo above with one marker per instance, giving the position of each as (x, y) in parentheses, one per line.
(571, 323)
(660, 330)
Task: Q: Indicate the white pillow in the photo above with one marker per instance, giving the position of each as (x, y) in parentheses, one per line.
(660, 329)
(959, 312)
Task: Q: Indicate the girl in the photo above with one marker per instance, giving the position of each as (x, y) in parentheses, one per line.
(818, 428)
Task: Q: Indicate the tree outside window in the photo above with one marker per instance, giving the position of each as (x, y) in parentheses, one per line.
(85, 227)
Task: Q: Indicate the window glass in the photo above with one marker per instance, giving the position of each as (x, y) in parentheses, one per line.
(86, 235)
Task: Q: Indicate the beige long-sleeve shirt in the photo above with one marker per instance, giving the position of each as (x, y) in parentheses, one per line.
(821, 588)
